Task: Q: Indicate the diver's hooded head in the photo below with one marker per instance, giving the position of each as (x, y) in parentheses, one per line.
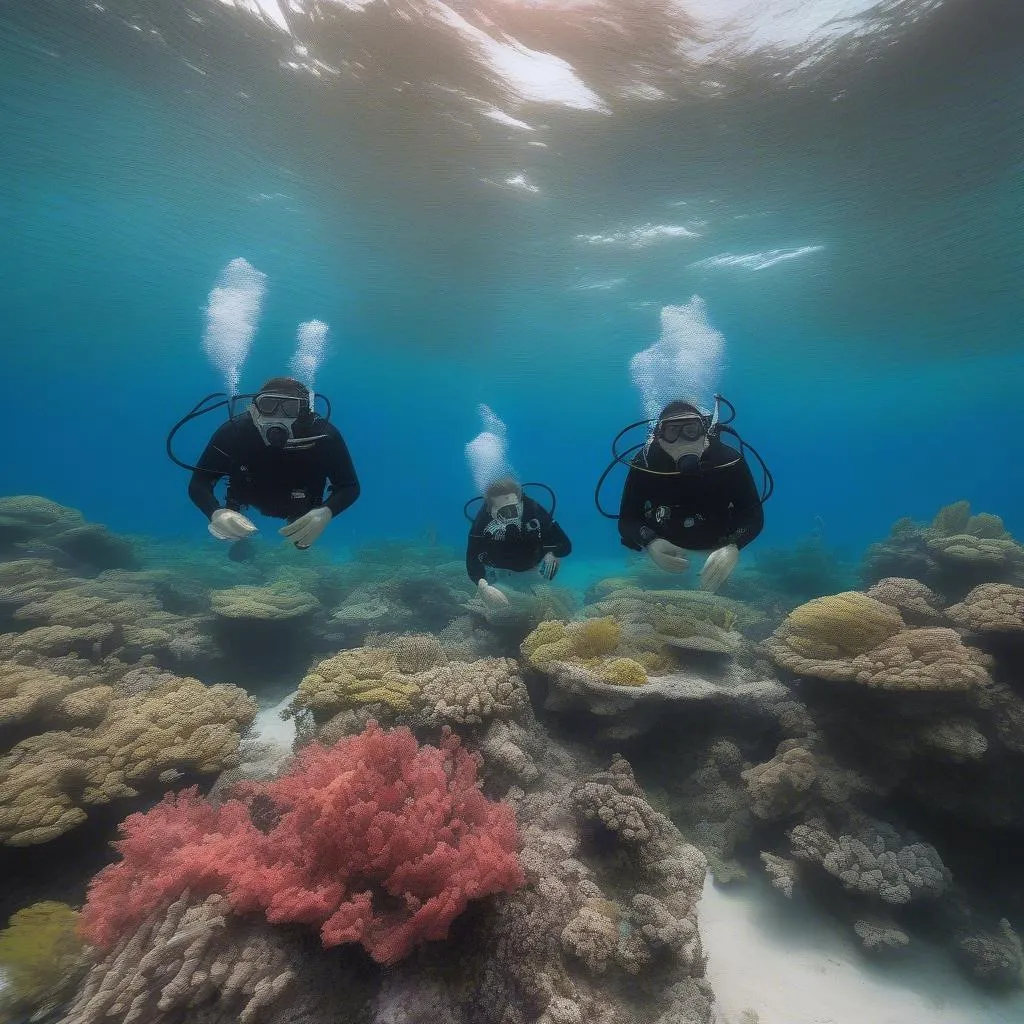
(682, 433)
(281, 410)
(504, 500)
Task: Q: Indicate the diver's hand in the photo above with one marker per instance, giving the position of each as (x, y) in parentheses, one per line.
(667, 556)
(492, 595)
(226, 524)
(548, 567)
(305, 530)
(718, 567)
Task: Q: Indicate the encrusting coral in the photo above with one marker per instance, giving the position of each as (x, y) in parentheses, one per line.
(592, 644)
(42, 959)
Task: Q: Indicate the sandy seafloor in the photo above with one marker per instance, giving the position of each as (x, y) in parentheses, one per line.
(788, 963)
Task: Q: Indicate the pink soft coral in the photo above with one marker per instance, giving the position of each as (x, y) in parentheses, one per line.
(376, 840)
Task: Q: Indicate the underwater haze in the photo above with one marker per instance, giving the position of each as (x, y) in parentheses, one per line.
(492, 234)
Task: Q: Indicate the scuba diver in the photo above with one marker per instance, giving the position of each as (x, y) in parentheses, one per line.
(278, 456)
(689, 491)
(514, 533)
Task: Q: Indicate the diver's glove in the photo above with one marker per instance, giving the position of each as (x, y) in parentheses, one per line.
(305, 530)
(492, 595)
(719, 567)
(667, 556)
(226, 524)
(548, 567)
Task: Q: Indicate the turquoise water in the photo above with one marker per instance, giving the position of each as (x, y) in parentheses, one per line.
(879, 374)
(500, 204)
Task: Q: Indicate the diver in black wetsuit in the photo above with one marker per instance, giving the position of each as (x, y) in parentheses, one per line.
(512, 532)
(278, 456)
(689, 491)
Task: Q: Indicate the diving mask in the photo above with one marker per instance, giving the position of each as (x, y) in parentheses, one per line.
(276, 417)
(510, 512)
(686, 429)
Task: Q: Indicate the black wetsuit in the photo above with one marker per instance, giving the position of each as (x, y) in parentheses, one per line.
(520, 549)
(716, 505)
(278, 483)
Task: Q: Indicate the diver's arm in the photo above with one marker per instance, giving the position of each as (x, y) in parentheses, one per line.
(214, 463)
(633, 531)
(341, 473)
(474, 549)
(556, 540)
(747, 518)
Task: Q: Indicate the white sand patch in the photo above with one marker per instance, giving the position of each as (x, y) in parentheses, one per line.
(268, 744)
(792, 965)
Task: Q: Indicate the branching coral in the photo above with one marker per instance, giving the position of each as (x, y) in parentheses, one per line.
(179, 959)
(375, 840)
(874, 859)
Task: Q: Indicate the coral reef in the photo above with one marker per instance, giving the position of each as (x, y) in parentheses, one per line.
(956, 552)
(375, 840)
(42, 959)
(86, 746)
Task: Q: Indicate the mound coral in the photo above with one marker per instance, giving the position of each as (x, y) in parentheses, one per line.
(991, 608)
(375, 840)
(589, 643)
(107, 747)
(872, 858)
(853, 638)
(353, 679)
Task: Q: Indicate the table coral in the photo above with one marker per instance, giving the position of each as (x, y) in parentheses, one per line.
(273, 603)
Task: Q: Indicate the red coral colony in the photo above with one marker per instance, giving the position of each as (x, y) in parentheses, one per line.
(375, 840)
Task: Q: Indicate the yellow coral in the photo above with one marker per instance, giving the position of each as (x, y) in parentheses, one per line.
(623, 672)
(840, 626)
(276, 602)
(41, 960)
(47, 780)
(546, 633)
(351, 679)
(594, 638)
